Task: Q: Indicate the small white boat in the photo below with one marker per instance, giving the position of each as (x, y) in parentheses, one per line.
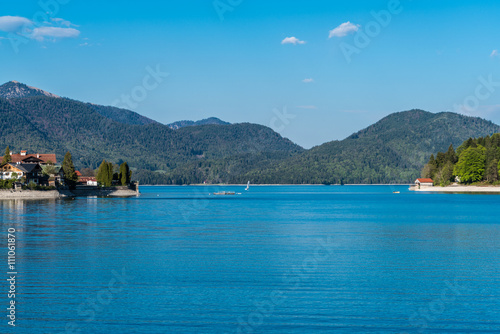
(248, 186)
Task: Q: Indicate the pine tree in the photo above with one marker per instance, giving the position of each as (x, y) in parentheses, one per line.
(440, 159)
(102, 173)
(492, 171)
(6, 157)
(68, 167)
(451, 156)
(124, 174)
(432, 161)
(109, 178)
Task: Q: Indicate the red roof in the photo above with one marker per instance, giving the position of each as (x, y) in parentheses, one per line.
(44, 157)
(425, 180)
(85, 179)
(78, 173)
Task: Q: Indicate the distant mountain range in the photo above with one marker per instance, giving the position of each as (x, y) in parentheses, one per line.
(393, 150)
(43, 123)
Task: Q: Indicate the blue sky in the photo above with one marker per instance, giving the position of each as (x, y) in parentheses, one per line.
(313, 70)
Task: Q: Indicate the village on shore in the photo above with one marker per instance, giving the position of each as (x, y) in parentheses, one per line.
(28, 175)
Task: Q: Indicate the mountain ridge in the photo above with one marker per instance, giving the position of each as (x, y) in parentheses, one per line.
(206, 121)
(392, 150)
(15, 89)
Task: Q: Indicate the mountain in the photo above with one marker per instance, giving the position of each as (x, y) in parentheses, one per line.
(93, 133)
(123, 116)
(208, 121)
(14, 90)
(393, 150)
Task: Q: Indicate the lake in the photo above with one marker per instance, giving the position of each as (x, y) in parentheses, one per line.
(274, 259)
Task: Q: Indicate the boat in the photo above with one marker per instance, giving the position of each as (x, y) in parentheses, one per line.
(225, 193)
(248, 186)
(396, 192)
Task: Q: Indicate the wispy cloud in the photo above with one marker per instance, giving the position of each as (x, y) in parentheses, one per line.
(344, 29)
(13, 23)
(495, 54)
(63, 22)
(306, 107)
(292, 40)
(54, 29)
(308, 80)
(54, 32)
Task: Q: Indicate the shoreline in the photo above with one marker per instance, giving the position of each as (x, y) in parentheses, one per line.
(31, 194)
(460, 189)
(61, 194)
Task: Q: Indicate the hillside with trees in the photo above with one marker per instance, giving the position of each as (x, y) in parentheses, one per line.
(393, 150)
(475, 161)
(47, 124)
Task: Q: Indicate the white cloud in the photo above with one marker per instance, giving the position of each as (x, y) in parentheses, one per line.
(55, 29)
(306, 107)
(309, 80)
(13, 23)
(62, 22)
(495, 54)
(344, 29)
(54, 32)
(292, 40)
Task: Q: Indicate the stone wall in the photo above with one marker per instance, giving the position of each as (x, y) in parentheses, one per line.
(29, 194)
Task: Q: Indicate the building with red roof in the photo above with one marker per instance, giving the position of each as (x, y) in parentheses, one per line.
(26, 158)
(424, 182)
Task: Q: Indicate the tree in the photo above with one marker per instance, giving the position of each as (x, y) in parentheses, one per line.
(49, 170)
(110, 176)
(70, 177)
(430, 168)
(451, 156)
(103, 174)
(7, 157)
(124, 174)
(491, 173)
(88, 172)
(471, 165)
(445, 175)
(440, 159)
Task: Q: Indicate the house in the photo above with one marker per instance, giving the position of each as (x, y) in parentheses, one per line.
(88, 180)
(424, 183)
(41, 159)
(32, 172)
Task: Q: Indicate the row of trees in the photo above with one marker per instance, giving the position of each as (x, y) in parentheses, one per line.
(106, 175)
(476, 160)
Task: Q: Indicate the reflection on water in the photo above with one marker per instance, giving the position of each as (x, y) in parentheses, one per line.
(271, 260)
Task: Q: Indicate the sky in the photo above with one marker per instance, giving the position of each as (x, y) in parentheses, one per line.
(314, 71)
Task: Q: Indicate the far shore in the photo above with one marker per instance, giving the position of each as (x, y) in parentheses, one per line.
(267, 185)
(460, 189)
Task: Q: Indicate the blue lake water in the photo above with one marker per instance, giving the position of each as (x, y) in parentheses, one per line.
(277, 259)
